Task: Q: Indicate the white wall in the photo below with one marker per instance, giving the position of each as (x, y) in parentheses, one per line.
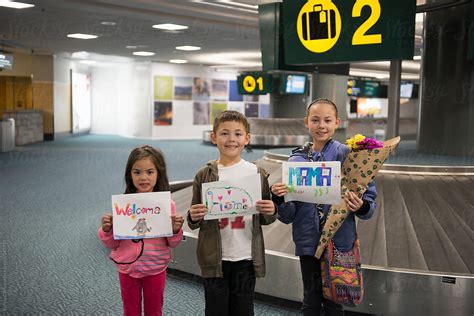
(62, 91)
(122, 97)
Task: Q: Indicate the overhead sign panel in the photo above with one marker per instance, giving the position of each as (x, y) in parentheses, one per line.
(325, 31)
(254, 83)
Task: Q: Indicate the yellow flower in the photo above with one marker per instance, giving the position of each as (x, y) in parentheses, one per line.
(352, 142)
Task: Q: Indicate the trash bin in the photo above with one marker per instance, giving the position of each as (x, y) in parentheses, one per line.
(7, 134)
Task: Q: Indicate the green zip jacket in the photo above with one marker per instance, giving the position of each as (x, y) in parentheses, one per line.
(209, 248)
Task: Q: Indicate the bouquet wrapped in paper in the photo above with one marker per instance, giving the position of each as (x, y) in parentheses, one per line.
(361, 166)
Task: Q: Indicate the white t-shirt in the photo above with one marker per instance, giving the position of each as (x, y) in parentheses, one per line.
(236, 232)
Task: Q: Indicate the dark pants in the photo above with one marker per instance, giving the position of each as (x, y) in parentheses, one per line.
(232, 294)
(313, 301)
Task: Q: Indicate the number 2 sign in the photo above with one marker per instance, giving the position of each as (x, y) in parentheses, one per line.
(320, 31)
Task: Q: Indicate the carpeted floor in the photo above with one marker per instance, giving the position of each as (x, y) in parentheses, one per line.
(52, 197)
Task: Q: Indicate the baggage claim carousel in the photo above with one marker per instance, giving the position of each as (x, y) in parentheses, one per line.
(417, 249)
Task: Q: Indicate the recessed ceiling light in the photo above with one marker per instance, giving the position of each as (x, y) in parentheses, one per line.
(82, 36)
(178, 61)
(170, 27)
(108, 23)
(88, 62)
(131, 47)
(15, 5)
(80, 55)
(142, 53)
(188, 48)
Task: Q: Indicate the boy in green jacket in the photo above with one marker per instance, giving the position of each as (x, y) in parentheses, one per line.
(230, 251)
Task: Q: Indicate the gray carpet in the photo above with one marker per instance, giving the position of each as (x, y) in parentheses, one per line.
(52, 197)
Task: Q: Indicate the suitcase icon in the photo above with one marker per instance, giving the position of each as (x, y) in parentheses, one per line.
(319, 24)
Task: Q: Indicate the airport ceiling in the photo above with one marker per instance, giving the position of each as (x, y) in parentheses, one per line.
(226, 31)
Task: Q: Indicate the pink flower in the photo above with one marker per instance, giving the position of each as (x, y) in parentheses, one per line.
(369, 143)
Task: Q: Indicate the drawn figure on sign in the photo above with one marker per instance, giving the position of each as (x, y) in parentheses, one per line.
(141, 227)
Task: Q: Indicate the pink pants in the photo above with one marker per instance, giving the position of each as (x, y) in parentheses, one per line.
(153, 290)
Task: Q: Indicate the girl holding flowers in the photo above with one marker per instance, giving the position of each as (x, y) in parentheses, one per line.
(308, 218)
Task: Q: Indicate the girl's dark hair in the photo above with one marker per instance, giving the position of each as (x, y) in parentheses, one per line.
(158, 160)
(230, 115)
(323, 101)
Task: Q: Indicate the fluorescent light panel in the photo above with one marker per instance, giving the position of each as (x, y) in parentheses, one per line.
(178, 61)
(88, 62)
(170, 27)
(82, 36)
(143, 53)
(80, 55)
(233, 6)
(239, 4)
(15, 5)
(188, 48)
(237, 59)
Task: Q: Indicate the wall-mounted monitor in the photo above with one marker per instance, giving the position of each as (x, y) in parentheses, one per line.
(293, 84)
(366, 88)
(406, 90)
(372, 107)
(6, 61)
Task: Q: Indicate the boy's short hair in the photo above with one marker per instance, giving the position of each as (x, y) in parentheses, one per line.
(230, 115)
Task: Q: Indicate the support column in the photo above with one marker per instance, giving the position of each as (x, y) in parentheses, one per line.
(394, 99)
(447, 104)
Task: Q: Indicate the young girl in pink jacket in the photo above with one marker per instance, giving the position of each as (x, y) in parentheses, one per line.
(142, 263)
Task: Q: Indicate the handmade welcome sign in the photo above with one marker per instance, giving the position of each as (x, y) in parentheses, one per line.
(142, 215)
(312, 182)
(231, 198)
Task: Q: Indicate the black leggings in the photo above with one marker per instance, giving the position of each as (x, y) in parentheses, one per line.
(233, 294)
(313, 301)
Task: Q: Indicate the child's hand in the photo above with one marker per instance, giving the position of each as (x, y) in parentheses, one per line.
(176, 222)
(279, 189)
(197, 212)
(265, 207)
(107, 223)
(352, 201)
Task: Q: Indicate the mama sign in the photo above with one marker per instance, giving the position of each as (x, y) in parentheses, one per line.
(313, 182)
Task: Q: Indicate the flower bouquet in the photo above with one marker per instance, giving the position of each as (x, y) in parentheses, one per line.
(362, 164)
